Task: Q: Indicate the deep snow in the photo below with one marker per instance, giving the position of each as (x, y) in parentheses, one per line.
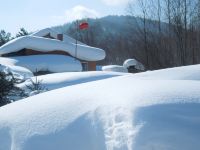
(53, 33)
(52, 63)
(177, 73)
(115, 68)
(18, 72)
(59, 80)
(84, 52)
(154, 110)
(133, 62)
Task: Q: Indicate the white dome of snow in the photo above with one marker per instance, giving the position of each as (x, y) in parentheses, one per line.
(115, 68)
(132, 62)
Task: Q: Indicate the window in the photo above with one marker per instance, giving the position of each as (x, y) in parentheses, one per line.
(85, 66)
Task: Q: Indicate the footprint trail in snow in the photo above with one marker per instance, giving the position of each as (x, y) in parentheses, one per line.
(118, 128)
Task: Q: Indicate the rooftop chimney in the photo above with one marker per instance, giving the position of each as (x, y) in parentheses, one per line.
(60, 37)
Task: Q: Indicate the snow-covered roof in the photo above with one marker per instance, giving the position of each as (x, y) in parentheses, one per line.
(52, 63)
(53, 33)
(132, 62)
(115, 68)
(84, 52)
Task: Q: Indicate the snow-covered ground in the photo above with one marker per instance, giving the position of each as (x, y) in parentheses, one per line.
(177, 73)
(59, 80)
(157, 110)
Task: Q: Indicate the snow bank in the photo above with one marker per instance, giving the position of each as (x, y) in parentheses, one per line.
(142, 111)
(177, 73)
(132, 62)
(120, 113)
(59, 80)
(114, 68)
(45, 45)
(52, 63)
(17, 71)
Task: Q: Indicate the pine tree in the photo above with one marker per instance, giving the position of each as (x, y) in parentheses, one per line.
(22, 32)
(8, 90)
(4, 37)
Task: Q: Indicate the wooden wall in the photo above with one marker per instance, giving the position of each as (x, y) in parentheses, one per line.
(91, 66)
(34, 52)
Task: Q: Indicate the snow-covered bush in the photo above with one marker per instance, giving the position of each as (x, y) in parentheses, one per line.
(35, 87)
(8, 90)
(18, 72)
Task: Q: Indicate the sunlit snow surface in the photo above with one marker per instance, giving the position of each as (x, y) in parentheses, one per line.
(41, 44)
(59, 80)
(130, 112)
(115, 68)
(17, 71)
(51, 63)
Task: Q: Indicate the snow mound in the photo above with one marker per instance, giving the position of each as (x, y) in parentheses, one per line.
(132, 62)
(177, 73)
(17, 71)
(59, 80)
(120, 113)
(51, 63)
(114, 68)
(130, 112)
(46, 45)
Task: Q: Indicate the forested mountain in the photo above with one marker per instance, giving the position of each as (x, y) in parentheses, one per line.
(155, 43)
(112, 33)
(164, 33)
(123, 37)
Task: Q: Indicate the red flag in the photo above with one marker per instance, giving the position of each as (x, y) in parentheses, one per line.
(83, 25)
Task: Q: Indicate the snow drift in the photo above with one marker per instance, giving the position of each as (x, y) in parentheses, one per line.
(177, 73)
(115, 68)
(17, 71)
(120, 113)
(59, 80)
(52, 63)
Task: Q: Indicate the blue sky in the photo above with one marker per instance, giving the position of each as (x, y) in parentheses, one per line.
(38, 14)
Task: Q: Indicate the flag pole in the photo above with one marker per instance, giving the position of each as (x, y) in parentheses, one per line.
(82, 26)
(76, 48)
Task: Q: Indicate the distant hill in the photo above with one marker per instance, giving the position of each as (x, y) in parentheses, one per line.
(117, 35)
(112, 33)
